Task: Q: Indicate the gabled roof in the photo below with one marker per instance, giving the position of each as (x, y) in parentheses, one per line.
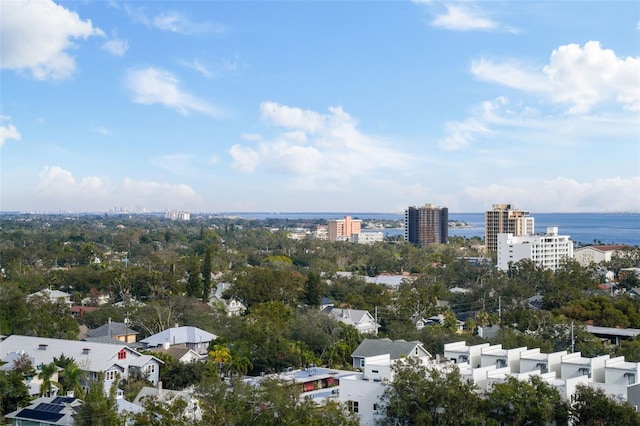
(112, 329)
(603, 248)
(179, 335)
(48, 410)
(90, 356)
(176, 352)
(395, 348)
(50, 294)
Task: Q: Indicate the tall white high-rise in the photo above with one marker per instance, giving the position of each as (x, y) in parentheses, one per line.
(547, 250)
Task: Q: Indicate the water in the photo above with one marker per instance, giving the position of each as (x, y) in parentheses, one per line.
(584, 228)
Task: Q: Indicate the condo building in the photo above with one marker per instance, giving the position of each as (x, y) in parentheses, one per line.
(342, 229)
(426, 225)
(547, 250)
(502, 219)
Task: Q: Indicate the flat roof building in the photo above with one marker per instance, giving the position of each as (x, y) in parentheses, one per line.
(426, 225)
(502, 219)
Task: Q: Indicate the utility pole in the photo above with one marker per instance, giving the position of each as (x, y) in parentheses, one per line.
(499, 308)
(376, 319)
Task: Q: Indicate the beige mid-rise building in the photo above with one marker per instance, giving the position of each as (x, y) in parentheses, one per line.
(502, 219)
(342, 229)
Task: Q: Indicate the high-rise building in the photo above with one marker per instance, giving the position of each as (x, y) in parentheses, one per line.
(426, 225)
(502, 219)
(342, 229)
(548, 250)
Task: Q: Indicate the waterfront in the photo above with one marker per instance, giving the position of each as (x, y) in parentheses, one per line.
(583, 228)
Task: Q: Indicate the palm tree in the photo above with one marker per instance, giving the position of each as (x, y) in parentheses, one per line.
(47, 371)
(72, 377)
(220, 355)
(240, 365)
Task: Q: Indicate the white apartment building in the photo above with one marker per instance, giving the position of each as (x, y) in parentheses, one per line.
(486, 365)
(547, 250)
(367, 237)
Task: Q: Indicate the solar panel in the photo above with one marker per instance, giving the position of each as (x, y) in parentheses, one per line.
(49, 408)
(29, 414)
(62, 400)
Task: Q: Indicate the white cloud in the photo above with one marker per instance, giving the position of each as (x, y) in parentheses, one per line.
(198, 67)
(245, 159)
(581, 77)
(8, 132)
(563, 194)
(37, 36)
(117, 47)
(154, 86)
(58, 189)
(172, 21)
(101, 130)
(463, 18)
(316, 150)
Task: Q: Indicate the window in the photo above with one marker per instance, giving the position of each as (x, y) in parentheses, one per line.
(362, 363)
(631, 378)
(110, 375)
(352, 406)
(122, 354)
(375, 407)
(374, 371)
(151, 368)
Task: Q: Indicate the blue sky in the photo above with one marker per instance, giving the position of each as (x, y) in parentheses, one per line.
(350, 106)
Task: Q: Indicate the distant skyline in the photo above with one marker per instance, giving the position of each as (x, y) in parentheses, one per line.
(313, 106)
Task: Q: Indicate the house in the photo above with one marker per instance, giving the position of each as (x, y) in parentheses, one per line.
(168, 396)
(232, 306)
(180, 353)
(598, 254)
(437, 320)
(193, 338)
(115, 361)
(391, 281)
(395, 348)
(363, 321)
(121, 331)
(52, 296)
(46, 411)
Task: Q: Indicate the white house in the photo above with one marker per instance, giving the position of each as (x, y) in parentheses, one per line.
(396, 349)
(547, 250)
(47, 411)
(193, 338)
(232, 306)
(114, 360)
(363, 321)
(52, 296)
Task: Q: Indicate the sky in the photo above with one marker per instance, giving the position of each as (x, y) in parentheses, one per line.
(319, 106)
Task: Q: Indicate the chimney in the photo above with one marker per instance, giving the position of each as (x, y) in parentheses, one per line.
(159, 389)
(85, 351)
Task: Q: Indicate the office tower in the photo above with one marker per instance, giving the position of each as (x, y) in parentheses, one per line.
(548, 250)
(426, 225)
(342, 229)
(503, 219)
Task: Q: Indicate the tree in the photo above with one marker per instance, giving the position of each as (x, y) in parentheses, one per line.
(312, 290)
(47, 371)
(13, 391)
(99, 409)
(194, 282)
(592, 407)
(419, 395)
(72, 378)
(206, 275)
(526, 403)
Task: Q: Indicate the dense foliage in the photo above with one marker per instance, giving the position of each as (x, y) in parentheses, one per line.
(158, 272)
